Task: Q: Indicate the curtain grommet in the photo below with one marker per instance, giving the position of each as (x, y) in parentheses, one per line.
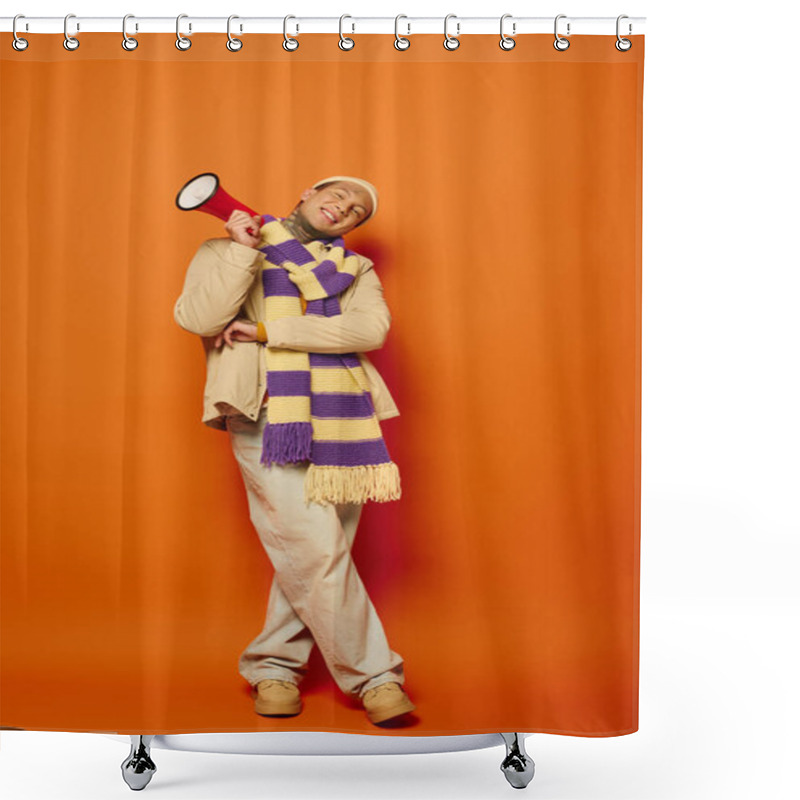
(623, 45)
(290, 44)
(70, 42)
(233, 44)
(182, 43)
(128, 42)
(18, 43)
(451, 42)
(400, 42)
(345, 42)
(507, 42)
(560, 43)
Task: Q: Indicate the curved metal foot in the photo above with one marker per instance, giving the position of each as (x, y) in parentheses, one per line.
(138, 768)
(517, 766)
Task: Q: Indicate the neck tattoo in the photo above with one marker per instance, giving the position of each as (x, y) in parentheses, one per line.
(300, 229)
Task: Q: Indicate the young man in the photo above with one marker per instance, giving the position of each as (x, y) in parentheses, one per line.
(317, 594)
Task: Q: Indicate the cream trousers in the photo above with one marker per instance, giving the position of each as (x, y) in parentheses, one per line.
(317, 594)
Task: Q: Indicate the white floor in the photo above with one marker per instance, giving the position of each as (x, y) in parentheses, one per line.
(719, 701)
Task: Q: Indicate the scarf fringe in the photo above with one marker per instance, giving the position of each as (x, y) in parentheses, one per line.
(379, 482)
(286, 442)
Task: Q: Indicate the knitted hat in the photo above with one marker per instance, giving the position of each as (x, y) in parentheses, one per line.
(373, 192)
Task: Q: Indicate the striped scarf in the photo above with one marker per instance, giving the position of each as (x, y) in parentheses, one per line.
(319, 407)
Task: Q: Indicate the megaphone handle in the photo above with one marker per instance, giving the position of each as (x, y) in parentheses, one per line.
(254, 231)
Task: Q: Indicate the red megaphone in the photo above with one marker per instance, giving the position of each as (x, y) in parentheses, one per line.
(204, 193)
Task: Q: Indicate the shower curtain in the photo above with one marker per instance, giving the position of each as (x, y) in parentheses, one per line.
(499, 383)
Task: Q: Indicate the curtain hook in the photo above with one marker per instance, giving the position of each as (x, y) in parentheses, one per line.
(18, 44)
(561, 43)
(182, 43)
(451, 42)
(70, 42)
(345, 42)
(507, 42)
(128, 42)
(289, 43)
(233, 44)
(623, 45)
(400, 42)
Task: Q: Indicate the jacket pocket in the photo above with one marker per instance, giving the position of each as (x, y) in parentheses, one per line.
(233, 376)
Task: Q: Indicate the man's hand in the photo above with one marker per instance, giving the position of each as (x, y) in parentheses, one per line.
(237, 331)
(237, 227)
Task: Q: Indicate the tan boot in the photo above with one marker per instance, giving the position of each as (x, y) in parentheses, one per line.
(385, 701)
(276, 698)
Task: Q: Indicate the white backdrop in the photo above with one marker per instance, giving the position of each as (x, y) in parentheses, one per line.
(719, 626)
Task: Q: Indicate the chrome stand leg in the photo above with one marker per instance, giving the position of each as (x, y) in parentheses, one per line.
(138, 768)
(517, 766)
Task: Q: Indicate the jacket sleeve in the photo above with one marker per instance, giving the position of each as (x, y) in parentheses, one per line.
(362, 325)
(217, 283)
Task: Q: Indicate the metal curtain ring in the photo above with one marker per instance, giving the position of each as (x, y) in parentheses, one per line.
(623, 45)
(400, 42)
(561, 43)
(289, 43)
(233, 44)
(70, 42)
(345, 42)
(18, 43)
(128, 42)
(451, 42)
(506, 42)
(182, 43)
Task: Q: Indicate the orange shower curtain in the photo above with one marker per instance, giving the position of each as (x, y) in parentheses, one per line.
(508, 243)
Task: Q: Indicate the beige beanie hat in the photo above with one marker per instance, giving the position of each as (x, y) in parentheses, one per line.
(373, 192)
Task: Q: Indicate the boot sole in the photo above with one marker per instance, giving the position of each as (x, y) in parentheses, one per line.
(383, 714)
(278, 710)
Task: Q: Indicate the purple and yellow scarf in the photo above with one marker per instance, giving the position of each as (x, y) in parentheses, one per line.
(319, 407)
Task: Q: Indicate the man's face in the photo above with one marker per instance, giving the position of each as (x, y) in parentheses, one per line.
(334, 210)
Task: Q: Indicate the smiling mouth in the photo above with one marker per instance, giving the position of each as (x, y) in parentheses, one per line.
(329, 216)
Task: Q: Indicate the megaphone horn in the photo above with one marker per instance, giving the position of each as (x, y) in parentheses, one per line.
(205, 193)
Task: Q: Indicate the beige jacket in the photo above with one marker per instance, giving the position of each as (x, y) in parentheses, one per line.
(223, 282)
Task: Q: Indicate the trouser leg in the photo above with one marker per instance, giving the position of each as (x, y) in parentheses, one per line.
(309, 547)
(282, 648)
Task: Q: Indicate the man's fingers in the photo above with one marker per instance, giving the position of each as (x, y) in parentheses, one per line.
(235, 332)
